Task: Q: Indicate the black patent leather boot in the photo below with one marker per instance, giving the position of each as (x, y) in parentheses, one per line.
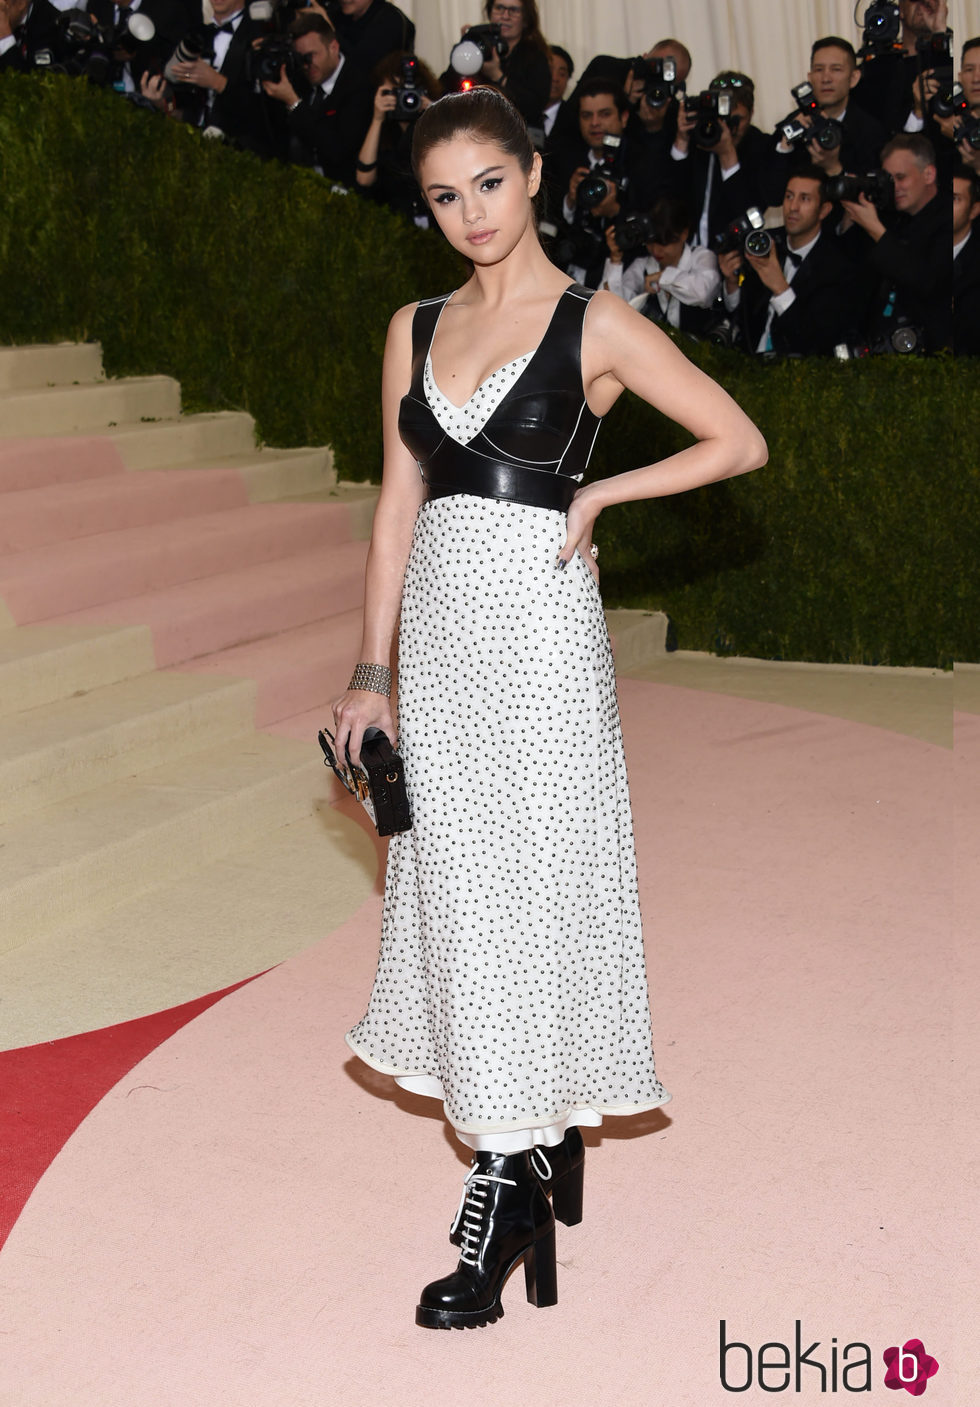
(506, 1217)
(561, 1172)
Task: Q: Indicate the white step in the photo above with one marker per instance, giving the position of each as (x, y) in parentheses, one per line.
(62, 749)
(167, 444)
(66, 410)
(68, 862)
(42, 663)
(274, 474)
(59, 364)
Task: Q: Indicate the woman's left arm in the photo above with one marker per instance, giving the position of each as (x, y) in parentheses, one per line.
(621, 350)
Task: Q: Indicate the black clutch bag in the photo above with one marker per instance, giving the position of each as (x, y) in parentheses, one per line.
(379, 782)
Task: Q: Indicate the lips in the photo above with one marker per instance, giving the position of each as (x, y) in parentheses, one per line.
(480, 236)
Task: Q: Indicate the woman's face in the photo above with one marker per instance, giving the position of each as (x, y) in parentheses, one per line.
(480, 197)
(509, 14)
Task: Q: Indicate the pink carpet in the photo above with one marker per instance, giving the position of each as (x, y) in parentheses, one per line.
(247, 1216)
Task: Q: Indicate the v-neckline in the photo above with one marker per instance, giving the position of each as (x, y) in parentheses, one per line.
(528, 356)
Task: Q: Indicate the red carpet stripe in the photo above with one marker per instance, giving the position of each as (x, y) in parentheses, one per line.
(47, 1090)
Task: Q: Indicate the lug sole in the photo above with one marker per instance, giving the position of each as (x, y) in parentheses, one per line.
(458, 1318)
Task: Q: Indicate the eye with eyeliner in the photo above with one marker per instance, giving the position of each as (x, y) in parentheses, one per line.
(489, 184)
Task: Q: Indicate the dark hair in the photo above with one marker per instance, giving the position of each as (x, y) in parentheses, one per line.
(962, 172)
(731, 81)
(565, 57)
(670, 218)
(484, 114)
(312, 24)
(531, 32)
(919, 146)
(970, 44)
(812, 173)
(834, 41)
(599, 85)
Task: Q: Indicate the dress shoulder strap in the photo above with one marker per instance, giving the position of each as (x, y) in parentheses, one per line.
(423, 328)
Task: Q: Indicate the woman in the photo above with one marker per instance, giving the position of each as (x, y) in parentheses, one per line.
(384, 162)
(524, 70)
(511, 981)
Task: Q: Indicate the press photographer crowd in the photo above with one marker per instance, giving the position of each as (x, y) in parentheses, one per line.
(668, 197)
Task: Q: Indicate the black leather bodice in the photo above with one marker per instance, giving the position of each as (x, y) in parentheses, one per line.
(543, 422)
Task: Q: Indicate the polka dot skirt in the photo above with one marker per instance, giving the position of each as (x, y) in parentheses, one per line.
(511, 968)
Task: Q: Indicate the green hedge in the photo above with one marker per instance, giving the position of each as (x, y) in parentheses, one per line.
(260, 289)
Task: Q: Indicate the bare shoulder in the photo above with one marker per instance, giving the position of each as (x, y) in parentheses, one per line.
(611, 318)
(400, 325)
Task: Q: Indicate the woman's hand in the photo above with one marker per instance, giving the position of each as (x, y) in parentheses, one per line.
(582, 513)
(384, 102)
(355, 710)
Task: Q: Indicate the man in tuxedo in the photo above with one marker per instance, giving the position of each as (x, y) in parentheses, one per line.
(721, 182)
(218, 90)
(327, 124)
(27, 26)
(833, 76)
(370, 30)
(800, 298)
(966, 262)
(909, 256)
(562, 69)
(133, 58)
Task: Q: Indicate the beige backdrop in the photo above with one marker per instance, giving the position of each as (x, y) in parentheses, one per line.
(768, 39)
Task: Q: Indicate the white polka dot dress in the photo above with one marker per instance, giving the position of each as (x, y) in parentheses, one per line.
(511, 977)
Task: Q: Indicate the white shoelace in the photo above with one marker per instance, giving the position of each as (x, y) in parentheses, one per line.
(537, 1158)
(471, 1209)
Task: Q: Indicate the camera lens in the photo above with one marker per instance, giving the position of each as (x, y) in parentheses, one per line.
(758, 242)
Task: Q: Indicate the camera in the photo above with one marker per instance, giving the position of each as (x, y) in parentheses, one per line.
(659, 78)
(91, 46)
(950, 101)
(747, 233)
(594, 187)
(474, 49)
(711, 108)
(274, 57)
(968, 131)
(827, 132)
(633, 232)
(878, 186)
(935, 53)
(882, 27)
(408, 97)
(194, 45)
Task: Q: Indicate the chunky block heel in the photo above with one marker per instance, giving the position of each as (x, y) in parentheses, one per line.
(541, 1272)
(566, 1194)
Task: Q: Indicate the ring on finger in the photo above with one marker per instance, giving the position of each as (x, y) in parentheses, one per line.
(594, 552)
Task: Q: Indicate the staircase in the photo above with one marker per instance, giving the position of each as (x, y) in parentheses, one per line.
(160, 601)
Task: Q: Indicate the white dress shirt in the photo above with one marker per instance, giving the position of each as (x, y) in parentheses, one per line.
(713, 166)
(694, 280)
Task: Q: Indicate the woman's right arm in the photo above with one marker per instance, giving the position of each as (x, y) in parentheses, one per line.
(384, 102)
(402, 491)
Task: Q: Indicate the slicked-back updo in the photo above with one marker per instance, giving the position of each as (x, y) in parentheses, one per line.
(484, 115)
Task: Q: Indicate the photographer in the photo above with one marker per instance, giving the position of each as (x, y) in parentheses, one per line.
(384, 162)
(800, 298)
(720, 163)
(675, 284)
(522, 71)
(966, 262)
(847, 138)
(132, 57)
(216, 89)
(890, 88)
(909, 256)
(327, 121)
(952, 127)
(27, 26)
(585, 211)
(370, 30)
(562, 68)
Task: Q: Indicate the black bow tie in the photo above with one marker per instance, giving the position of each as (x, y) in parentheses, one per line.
(795, 259)
(227, 28)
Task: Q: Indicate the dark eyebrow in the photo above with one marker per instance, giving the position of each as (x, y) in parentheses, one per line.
(478, 177)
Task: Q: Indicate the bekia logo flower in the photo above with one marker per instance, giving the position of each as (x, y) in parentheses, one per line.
(909, 1367)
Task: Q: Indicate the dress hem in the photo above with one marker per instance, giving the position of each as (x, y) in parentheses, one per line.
(503, 1126)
